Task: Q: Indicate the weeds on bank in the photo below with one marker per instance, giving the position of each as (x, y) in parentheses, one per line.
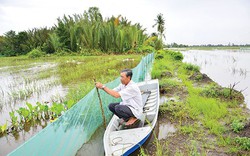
(212, 106)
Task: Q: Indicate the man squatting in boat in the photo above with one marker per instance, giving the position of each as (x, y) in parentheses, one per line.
(130, 109)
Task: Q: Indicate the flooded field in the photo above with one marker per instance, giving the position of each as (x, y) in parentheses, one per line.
(62, 81)
(226, 67)
(30, 83)
(26, 83)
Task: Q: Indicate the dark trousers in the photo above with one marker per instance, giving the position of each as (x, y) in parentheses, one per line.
(122, 111)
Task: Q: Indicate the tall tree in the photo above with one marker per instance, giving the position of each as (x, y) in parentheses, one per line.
(160, 23)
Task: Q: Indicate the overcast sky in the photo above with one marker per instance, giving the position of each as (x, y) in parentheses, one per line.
(187, 21)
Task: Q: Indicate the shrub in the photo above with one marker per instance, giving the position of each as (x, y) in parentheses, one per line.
(159, 56)
(35, 53)
(191, 67)
(158, 44)
(148, 49)
(244, 143)
(237, 126)
(176, 55)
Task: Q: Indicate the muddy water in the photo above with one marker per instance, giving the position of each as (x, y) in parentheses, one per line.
(94, 147)
(226, 67)
(13, 140)
(21, 84)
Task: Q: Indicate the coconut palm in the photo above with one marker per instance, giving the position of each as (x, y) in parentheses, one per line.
(160, 23)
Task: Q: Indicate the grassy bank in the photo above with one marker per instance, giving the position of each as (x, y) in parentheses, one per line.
(210, 120)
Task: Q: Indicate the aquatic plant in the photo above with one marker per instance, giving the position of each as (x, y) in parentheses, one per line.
(56, 110)
(3, 128)
(14, 120)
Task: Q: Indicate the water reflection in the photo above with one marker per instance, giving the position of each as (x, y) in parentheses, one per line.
(226, 67)
(10, 141)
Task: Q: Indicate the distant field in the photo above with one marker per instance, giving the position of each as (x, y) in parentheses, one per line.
(211, 48)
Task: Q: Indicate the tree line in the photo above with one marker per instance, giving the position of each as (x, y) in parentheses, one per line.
(84, 33)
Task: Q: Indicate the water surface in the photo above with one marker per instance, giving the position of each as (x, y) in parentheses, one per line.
(226, 67)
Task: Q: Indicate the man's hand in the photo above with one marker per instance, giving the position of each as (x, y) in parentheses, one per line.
(107, 90)
(99, 85)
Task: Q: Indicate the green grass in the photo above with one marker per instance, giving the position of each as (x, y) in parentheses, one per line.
(74, 72)
(205, 112)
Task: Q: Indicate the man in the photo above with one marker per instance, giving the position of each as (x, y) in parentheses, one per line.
(130, 109)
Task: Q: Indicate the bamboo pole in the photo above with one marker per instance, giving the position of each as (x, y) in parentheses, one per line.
(99, 97)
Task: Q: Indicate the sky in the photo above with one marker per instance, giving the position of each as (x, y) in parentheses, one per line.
(190, 22)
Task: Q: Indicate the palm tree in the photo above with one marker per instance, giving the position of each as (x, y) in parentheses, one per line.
(160, 23)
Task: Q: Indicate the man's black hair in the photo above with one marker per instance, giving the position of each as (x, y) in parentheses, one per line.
(128, 72)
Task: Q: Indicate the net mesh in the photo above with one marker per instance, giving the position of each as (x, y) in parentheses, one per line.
(75, 127)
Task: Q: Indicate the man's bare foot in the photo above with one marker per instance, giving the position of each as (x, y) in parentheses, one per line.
(131, 121)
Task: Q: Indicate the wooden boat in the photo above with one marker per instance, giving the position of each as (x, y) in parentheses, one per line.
(126, 141)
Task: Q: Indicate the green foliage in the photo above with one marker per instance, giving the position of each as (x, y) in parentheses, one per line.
(176, 55)
(14, 119)
(168, 84)
(3, 128)
(171, 83)
(193, 149)
(158, 45)
(191, 67)
(214, 126)
(163, 64)
(159, 56)
(243, 142)
(237, 126)
(69, 103)
(74, 34)
(226, 94)
(56, 109)
(188, 129)
(35, 53)
(205, 117)
(147, 49)
(211, 91)
(160, 23)
(24, 114)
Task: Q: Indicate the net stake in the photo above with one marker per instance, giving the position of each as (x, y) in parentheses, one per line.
(99, 97)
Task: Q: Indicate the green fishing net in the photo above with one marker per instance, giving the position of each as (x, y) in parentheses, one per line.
(75, 127)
